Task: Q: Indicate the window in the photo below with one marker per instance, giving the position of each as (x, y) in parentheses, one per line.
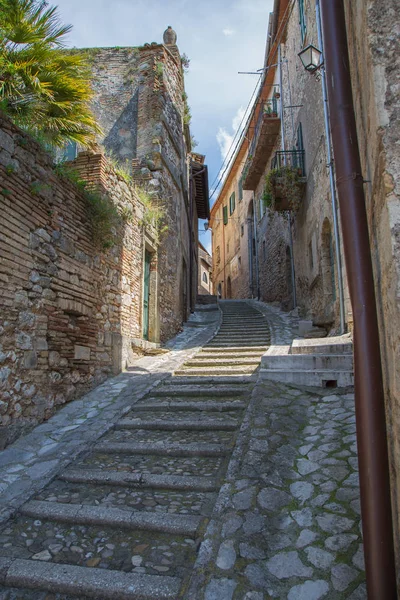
(205, 277)
(232, 203)
(302, 20)
(240, 261)
(242, 229)
(70, 150)
(218, 255)
(225, 213)
(240, 186)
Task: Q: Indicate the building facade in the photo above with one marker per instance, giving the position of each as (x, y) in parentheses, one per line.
(282, 256)
(89, 271)
(281, 251)
(205, 271)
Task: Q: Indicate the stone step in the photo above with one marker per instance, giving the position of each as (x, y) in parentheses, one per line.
(328, 345)
(162, 448)
(221, 370)
(83, 582)
(162, 425)
(82, 514)
(139, 480)
(235, 349)
(247, 344)
(185, 390)
(260, 340)
(321, 378)
(308, 362)
(192, 406)
(229, 355)
(200, 361)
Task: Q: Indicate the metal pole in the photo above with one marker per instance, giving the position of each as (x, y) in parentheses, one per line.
(292, 261)
(370, 401)
(284, 162)
(331, 173)
(256, 245)
(281, 103)
(250, 244)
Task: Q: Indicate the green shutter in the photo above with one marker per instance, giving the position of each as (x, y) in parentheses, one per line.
(302, 19)
(225, 212)
(232, 203)
(240, 189)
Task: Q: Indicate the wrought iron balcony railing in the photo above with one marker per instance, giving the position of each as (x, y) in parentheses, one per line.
(289, 158)
(269, 109)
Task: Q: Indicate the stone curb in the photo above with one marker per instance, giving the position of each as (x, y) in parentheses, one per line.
(84, 514)
(141, 480)
(163, 449)
(92, 583)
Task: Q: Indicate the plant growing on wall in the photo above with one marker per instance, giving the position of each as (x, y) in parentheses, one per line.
(104, 217)
(185, 62)
(283, 189)
(153, 213)
(43, 88)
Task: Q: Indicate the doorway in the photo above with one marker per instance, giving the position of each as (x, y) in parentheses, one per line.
(229, 288)
(146, 294)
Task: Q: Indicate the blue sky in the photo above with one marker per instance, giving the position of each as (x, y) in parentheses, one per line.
(221, 37)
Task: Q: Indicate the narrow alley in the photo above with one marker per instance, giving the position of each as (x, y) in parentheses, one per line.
(207, 484)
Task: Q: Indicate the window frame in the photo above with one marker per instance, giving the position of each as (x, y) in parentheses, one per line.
(302, 20)
(232, 203)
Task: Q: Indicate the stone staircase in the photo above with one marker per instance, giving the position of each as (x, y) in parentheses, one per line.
(321, 362)
(125, 519)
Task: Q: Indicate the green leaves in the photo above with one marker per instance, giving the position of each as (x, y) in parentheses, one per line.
(43, 88)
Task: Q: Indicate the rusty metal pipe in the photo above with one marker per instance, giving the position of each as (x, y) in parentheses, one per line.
(370, 404)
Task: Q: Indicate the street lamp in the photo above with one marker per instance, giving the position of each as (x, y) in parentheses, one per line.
(311, 58)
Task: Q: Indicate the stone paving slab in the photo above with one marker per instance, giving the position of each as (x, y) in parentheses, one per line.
(33, 460)
(286, 524)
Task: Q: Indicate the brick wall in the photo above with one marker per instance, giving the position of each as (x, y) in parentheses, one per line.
(68, 310)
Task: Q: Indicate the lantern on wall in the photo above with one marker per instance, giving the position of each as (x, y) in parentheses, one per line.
(311, 58)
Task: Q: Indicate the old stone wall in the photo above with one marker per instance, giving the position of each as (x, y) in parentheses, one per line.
(69, 309)
(373, 35)
(139, 101)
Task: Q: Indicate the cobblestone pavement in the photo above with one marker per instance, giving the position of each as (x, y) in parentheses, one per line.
(207, 485)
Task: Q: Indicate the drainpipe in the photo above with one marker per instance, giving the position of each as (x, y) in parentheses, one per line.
(370, 402)
(250, 244)
(293, 274)
(256, 245)
(331, 172)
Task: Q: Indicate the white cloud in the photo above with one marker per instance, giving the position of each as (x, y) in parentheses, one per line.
(226, 140)
(227, 31)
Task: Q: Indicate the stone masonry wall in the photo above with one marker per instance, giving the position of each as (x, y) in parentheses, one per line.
(139, 102)
(68, 310)
(373, 35)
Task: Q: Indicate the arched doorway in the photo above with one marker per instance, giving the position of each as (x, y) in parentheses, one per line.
(228, 288)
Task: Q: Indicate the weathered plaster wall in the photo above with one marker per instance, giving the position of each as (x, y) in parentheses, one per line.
(68, 310)
(139, 100)
(373, 33)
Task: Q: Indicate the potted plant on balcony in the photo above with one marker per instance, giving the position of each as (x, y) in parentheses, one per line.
(285, 187)
(269, 112)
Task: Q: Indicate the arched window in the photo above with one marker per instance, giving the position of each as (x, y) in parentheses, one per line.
(205, 277)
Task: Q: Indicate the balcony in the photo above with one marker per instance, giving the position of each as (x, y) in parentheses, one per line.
(262, 144)
(286, 181)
